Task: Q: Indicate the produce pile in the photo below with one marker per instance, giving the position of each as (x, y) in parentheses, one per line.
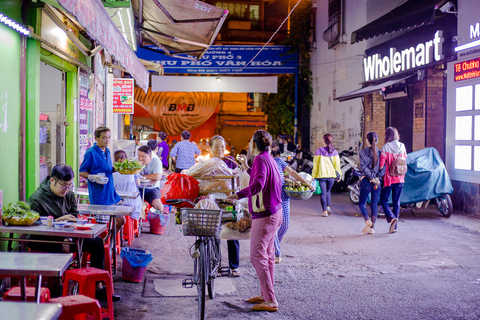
(128, 166)
(19, 214)
(295, 186)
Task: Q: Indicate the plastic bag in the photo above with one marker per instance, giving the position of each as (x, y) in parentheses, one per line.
(180, 186)
(210, 168)
(136, 257)
(207, 203)
(318, 190)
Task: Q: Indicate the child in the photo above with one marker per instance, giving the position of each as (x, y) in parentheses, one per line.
(128, 182)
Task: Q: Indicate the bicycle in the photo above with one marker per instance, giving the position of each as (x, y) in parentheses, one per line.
(205, 251)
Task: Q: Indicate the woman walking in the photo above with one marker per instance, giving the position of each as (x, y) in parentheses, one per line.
(283, 167)
(392, 182)
(370, 181)
(326, 168)
(264, 203)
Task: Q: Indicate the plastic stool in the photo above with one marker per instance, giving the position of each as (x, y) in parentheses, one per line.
(108, 260)
(128, 230)
(78, 304)
(14, 294)
(87, 279)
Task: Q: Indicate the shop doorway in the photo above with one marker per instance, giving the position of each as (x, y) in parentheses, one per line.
(400, 115)
(52, 118)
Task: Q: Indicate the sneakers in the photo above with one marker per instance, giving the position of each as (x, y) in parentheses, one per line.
(278, 259)
(371, 231)
(329, 210)
(393, 226)
(368, 224)
(324, 214)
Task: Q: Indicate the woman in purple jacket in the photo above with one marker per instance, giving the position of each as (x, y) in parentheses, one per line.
(265, 205)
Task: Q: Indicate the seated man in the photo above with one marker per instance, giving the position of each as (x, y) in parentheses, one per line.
(153, 171)
(54, 198)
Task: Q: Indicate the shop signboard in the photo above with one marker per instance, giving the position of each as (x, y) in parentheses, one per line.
(86, 125)
(227, 60)
(123, 92)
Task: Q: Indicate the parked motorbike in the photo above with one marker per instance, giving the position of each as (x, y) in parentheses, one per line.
(348, 164)
(303, 162)
(288, 157)
(426, 180)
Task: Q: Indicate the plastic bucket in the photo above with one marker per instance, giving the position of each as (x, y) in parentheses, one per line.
(156, 225)
(135, 261)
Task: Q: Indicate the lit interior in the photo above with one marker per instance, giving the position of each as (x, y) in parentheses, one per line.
(464, 98)
(476, 156)
(463, 157)
(463, 128)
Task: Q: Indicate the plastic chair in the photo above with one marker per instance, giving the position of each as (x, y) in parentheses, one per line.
(108, 260)
(87, 279)
(14, 294)
(78, 304)
(128, 230)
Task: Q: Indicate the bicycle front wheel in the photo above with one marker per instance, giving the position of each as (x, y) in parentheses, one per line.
(201, 279)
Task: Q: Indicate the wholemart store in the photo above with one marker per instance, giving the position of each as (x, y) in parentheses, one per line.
(463, 111)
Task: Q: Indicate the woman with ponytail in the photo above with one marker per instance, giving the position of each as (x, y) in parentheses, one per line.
(326, 168)
(370, 181)
(265, 205)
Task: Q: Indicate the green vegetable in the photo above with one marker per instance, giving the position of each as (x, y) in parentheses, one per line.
(20, 210)
(127, 165)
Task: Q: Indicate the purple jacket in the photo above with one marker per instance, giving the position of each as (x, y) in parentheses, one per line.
(265, 189)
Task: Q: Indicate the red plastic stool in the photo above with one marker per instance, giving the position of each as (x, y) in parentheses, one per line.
(128, 232)
(87, 279)
(136, 231)
(108, 260)
(14, 294)
(78, 304)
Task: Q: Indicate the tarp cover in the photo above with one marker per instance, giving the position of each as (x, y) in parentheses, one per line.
(183, 27)
(426, 177)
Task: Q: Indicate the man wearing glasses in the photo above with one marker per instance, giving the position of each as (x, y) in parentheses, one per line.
(55, 198)
(97, 160)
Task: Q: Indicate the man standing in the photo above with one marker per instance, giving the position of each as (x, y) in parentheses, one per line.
(97, 159)
(184, 153)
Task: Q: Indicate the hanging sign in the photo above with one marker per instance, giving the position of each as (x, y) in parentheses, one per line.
(227, 60)
(123, 96)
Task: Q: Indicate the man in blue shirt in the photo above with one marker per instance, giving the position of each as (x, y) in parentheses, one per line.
(97, 159)
(184, 153)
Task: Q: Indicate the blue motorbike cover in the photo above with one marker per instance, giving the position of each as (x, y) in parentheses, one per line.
(426, 178)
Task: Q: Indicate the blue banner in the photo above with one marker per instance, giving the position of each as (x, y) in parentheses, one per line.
(227, 60)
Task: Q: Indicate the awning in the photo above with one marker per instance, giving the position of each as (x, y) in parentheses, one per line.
(410, 15)
(370, 89)
(94, 18)
(180, 28)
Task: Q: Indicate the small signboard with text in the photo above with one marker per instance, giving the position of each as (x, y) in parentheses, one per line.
(123, 96)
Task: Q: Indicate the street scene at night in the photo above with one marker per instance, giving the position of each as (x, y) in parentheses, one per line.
(187, 159)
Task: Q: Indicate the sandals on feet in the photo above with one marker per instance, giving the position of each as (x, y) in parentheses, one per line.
(235, 272)
(258, 299)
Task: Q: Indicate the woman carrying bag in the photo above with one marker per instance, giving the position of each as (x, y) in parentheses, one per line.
(326, 169)
(371, 181)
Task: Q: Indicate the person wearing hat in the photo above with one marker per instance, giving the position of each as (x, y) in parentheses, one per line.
(184, 153)
(370, 181)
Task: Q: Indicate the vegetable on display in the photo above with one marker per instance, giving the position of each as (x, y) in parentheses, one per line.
(127, 165)
(20, 210)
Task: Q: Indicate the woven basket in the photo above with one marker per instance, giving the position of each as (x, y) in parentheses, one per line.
(20, 222)
(130, 171)
(301, 195)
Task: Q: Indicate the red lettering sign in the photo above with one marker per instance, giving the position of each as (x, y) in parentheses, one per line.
(467, 70)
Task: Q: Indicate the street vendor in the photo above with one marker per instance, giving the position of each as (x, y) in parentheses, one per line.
(217, 149)
(97, 160)
(55, 198)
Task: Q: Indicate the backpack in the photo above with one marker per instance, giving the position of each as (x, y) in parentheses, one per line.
(398, 167)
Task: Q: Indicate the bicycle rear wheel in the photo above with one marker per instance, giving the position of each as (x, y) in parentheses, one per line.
(201, 279)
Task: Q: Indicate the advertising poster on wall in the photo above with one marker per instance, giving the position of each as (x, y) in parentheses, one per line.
(123, 91)
(86, 126)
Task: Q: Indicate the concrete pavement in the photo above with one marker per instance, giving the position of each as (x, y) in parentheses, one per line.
(429, 269)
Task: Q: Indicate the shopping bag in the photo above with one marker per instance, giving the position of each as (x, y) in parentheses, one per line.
(318, 190)
(180, 186)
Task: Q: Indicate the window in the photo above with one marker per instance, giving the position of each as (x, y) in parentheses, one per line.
(240, 11)
(333, 34)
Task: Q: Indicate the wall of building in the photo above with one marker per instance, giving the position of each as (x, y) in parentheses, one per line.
(336, 72)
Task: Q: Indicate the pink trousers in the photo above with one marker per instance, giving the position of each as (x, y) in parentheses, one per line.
(262, 252)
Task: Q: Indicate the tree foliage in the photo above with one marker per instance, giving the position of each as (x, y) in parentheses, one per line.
(280, 107)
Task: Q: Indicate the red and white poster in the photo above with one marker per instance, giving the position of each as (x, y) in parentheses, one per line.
(123, 93)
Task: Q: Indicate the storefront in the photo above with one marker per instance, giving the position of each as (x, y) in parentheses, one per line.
(405, 87)
(463, 111)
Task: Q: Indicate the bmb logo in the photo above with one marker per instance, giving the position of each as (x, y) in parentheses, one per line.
(181, 107)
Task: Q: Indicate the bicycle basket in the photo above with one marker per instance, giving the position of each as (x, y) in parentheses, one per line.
(201, 222)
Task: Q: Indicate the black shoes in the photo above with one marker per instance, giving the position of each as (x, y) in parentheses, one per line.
(101, 295)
